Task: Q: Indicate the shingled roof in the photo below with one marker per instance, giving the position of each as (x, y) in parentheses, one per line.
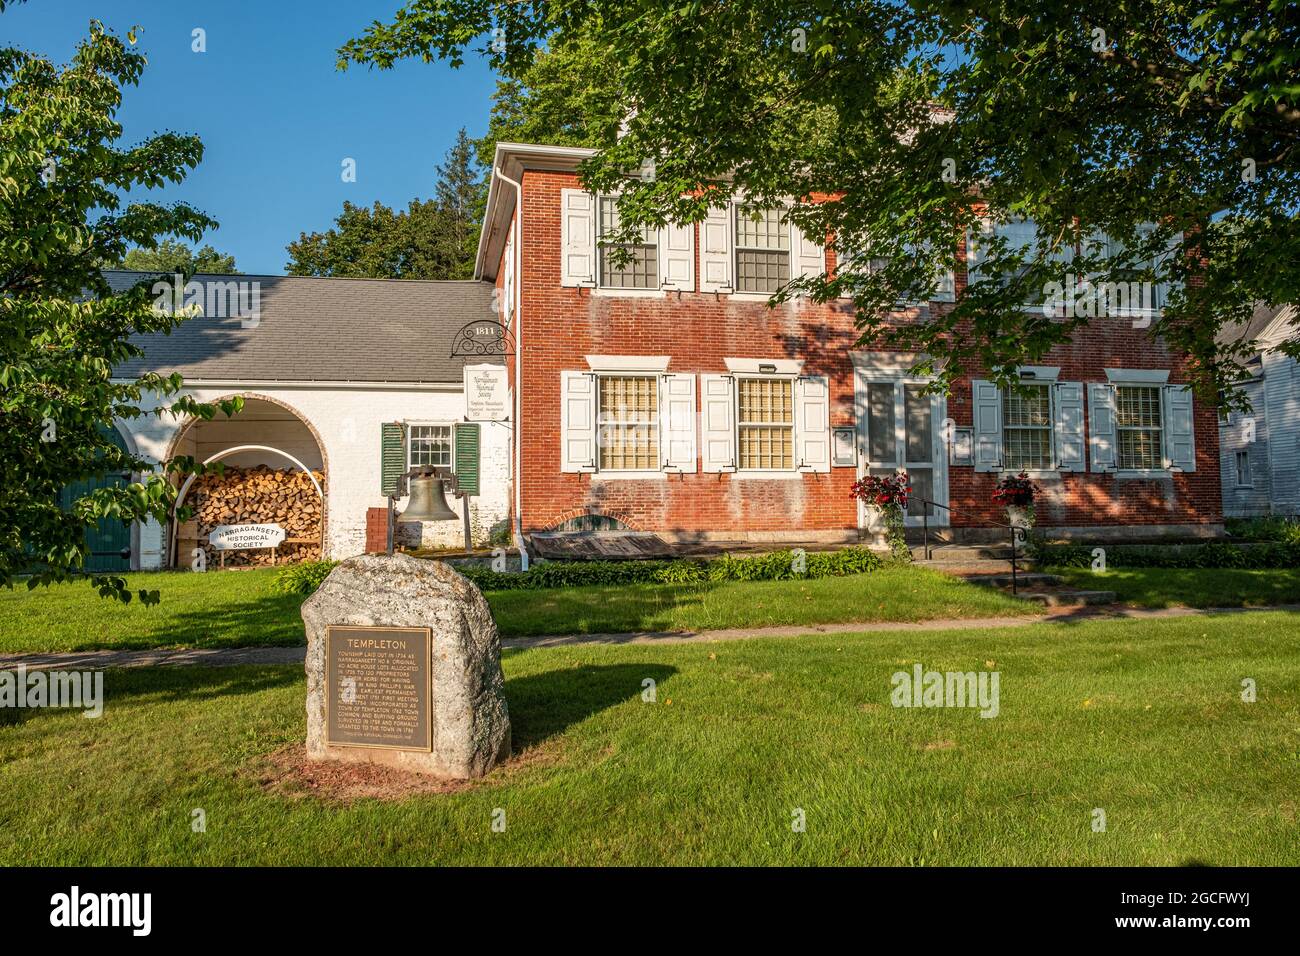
(322, 330)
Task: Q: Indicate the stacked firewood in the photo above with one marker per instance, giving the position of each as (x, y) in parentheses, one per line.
(260, 495)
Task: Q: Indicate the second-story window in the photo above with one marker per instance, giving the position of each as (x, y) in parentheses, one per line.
(642, 271)
(762, 249)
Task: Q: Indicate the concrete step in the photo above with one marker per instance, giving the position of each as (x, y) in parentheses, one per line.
(1025, 579)
(964, 553)
(975, 568)
(1065, 598)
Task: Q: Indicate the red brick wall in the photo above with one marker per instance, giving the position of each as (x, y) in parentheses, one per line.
(376, 530)
(698, 330)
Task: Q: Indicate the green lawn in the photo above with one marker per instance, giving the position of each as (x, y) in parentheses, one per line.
(1142, 719)
(238, 608)
(1196, 587)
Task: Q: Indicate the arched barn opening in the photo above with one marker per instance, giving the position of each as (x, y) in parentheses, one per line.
(275, 473)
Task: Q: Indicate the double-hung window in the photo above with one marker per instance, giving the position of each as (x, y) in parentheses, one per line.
(629, 265)
(429, 445)
(1138, 425)
(1027, 428)
(762, 249)
(1243, 469)
(765, 423)
(628, 422)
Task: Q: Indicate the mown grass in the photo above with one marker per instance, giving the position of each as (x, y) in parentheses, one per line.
(1142, 719)
(891, 594)
(1191, 587)
(238, 608)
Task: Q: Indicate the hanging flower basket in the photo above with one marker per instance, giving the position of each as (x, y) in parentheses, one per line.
(888, 494)
(1016, 493)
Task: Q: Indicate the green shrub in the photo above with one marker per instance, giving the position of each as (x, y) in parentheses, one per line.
(776, 566)
(303, 578)
(1212, 555)
(1271, 528)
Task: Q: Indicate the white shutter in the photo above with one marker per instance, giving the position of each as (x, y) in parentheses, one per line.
(812, 433)
(986, 414)
(677, 257)
(677, 422)
(809, 256)
(718, 423)
(1101, 426)
(1067, 406)
(1180, 448)
(715, 251)
(577, 421)
(577, 238)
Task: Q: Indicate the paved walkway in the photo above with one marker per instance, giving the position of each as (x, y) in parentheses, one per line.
(222, 657)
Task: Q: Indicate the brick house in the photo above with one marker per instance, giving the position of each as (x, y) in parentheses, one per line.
(667, 396)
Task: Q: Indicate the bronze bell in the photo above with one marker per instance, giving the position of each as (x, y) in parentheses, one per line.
(428, 500)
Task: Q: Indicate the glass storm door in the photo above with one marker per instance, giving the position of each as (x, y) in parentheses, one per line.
(899, 431)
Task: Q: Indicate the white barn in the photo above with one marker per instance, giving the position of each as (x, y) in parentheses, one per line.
(323, 367)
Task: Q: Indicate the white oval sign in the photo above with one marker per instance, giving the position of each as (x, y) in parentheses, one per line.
(231, 537)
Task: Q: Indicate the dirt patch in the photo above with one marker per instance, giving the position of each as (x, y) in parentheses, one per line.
(288, 773)
(941, 745)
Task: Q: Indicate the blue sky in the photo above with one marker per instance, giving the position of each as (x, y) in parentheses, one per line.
(276, 118)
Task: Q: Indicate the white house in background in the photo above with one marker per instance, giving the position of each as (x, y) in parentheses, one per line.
(1259, 450)
(350, 377)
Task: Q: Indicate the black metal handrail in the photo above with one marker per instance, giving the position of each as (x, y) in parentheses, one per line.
(1019, 533)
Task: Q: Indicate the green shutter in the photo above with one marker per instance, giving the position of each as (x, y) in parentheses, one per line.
(392, 456)
(467, 435)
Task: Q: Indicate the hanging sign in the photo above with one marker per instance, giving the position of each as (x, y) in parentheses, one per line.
(487, 393)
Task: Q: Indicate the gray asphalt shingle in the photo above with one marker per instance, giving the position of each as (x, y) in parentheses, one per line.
(326, 330)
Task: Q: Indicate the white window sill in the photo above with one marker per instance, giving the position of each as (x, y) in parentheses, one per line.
(1041, 475)
(1142, 473)
(628, 475)
(615, 293)
(750, 296)
(768, 475)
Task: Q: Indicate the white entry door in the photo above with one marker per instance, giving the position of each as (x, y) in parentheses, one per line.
(899, 429)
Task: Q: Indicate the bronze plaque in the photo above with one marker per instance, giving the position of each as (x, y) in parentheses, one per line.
(378, 694)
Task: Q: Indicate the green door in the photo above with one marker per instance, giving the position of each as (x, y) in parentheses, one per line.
(110, 539)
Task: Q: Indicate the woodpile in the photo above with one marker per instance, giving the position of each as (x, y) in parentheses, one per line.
(258, 495)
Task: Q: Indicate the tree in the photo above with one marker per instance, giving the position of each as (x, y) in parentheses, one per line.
(431, 239)
(563, 97)
(62, 213)
(171, 256)
(461, 197)
(917, 121)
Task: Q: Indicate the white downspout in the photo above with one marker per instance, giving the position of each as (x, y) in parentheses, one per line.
(519, 367)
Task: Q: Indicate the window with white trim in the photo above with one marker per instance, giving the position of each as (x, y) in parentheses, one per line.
(429, 445)
(762, 249)
(1027, 428)
(642, 270)
(628, 422)
(765, 423)
(1139, 422)
(1243, 469)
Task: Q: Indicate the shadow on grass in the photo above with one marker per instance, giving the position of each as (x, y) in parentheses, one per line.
(271, 620)
(546, 704)
(147, 685)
